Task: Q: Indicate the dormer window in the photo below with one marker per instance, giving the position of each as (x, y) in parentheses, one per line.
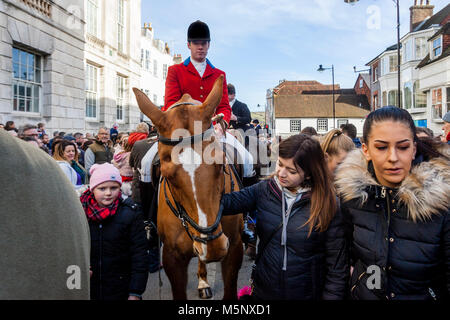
(437, 47)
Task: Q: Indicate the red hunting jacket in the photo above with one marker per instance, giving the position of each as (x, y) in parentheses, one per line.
(183, 78)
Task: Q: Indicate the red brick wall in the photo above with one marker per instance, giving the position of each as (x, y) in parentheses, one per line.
(445, 41)
(374, 66)
(447, 19)
(365, 90)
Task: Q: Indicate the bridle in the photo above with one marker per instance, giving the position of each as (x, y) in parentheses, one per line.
(177, 209)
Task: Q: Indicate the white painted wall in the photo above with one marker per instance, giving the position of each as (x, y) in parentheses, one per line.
(154, 83)
(283, 125)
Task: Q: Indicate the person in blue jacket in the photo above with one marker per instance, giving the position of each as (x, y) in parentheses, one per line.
(302, 250)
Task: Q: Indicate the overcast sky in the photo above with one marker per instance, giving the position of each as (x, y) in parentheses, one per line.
(259, 42)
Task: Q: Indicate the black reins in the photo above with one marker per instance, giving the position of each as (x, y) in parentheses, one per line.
(178, 210)
(188, 140)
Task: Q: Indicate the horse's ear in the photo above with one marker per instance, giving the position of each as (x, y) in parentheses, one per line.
(214, 97)
(148, 108)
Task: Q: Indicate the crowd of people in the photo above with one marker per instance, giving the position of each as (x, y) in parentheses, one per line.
(340, 217)
(358, 202)
(99, 170)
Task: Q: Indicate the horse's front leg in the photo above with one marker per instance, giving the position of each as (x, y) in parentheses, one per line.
(204, 290)
(175, 266)
(233, 260)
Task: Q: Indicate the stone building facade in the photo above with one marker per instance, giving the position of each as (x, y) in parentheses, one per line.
(41, 63)
(112, 63)
(70, 64)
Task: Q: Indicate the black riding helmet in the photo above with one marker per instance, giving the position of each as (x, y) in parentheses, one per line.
(199, 31)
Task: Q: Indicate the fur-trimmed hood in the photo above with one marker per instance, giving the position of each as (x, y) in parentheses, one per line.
(425, 191)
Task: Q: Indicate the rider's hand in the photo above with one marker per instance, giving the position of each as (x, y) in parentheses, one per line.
(218, 129)
(233, 117)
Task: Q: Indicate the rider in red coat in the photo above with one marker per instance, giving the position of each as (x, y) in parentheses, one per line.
(196, 75)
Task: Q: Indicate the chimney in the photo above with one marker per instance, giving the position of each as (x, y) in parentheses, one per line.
(419, 12)
(148, 26)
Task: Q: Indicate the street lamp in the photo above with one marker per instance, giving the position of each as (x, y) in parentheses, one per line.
(397, 2)
(321, 69)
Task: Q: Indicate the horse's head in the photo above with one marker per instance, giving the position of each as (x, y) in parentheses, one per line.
(194, 181)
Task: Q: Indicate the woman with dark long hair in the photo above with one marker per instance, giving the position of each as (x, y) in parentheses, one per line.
(301, 252)
(395, 197)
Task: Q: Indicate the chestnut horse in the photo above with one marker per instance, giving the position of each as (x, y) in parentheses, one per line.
(189, 216)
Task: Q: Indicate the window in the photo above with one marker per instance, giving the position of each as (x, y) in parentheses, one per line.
(375, 74)
(164, 71)
(142, 58)
(361, 83)
(147, 60)
(448, 99)
(420, 98)
(27, 80)
(436, 103)
(92, 17)
(120, 25)
(384, 101)
(296, 125)
(322, 125)
(407, 51)
(421, 48)
(375, 102)
(437, 47)
(385, 65)
(120, 97)
(341, 122)
(91, 91)
(408, 95)
(393, 63)
(393, 98)
(155, 68)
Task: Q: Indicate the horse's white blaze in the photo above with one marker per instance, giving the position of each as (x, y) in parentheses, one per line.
(191, 160)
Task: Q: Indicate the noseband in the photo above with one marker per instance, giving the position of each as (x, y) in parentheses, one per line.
(178, 210)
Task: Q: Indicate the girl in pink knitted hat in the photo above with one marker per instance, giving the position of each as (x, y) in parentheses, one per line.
(119, 258)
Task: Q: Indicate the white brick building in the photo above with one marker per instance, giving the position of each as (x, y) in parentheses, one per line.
(295, 105)
(424, 68)
(155, 61)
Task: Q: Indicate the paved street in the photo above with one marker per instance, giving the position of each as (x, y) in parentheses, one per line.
(154, 292)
